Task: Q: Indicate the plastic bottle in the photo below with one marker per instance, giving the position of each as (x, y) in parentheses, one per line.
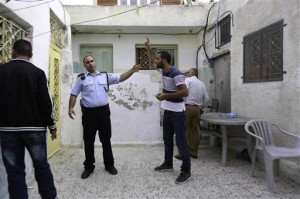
(228, 115)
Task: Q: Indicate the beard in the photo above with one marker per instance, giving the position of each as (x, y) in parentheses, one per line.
(159, 65)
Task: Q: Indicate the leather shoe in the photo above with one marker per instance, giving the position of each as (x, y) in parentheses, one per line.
(178, 157)
(86, 173)
(112, 170)
(194, 156)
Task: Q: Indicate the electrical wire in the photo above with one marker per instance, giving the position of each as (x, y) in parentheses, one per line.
(8, 11)
(134, 9)
(175, 34)
(214, 35)
(203, 40)
(205, 29)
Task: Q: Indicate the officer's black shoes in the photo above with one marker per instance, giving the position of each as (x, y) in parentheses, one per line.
(112, 170)
(86, 173)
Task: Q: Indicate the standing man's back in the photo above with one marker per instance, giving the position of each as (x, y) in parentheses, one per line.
(26, 110)
(23, 98)
(194, 103)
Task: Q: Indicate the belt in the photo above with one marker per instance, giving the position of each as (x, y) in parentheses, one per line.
(190, 105)
(96, 108)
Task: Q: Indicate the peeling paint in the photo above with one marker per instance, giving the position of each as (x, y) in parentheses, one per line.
(131, 96)
(125, 104)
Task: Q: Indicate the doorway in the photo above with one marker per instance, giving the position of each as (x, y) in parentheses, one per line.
(222, 82)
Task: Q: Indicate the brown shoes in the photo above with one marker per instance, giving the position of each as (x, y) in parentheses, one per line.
(194, 156)
(178, 157)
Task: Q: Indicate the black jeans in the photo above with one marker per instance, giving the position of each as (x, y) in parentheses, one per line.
(13, 151)
(93, 120)
(174, 122)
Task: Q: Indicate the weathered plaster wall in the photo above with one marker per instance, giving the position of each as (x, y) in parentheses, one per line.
(276, 101)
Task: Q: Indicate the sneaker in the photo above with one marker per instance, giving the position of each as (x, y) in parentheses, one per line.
(183, 177)
(164, 167)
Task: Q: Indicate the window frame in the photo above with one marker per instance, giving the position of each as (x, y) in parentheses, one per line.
(156, 48)
(223, 32)
(12, 31)
(261, 56)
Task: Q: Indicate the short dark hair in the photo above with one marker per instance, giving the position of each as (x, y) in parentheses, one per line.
(195, 71)
(83, 60)
(165, 55)
(23, 47)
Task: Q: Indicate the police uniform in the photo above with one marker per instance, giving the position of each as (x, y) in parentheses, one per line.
(95, 114)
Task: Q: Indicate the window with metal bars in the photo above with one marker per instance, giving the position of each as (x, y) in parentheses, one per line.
(142, 58)
(223, 35)
(263, 54)
(10, 32)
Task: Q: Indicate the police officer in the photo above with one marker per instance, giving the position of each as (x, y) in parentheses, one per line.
(93, 86)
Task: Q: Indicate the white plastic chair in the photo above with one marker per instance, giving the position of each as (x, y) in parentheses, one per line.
(262, 131)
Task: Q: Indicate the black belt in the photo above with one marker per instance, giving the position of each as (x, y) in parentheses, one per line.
(191, 105)
(96, 108)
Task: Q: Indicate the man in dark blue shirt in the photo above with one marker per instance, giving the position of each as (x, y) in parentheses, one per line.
(174, 89)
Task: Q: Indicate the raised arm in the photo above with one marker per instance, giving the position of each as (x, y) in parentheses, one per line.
(151, 57)
(127, 74)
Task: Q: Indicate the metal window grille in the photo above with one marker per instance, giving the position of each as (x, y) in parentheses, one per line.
(223, 35)
(263, 54)
(142, 57)
(10, 32)
(57, 33)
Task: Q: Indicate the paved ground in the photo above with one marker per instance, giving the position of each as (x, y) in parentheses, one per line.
(137, 179)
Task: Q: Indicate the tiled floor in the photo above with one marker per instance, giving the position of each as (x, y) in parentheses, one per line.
(137, 179)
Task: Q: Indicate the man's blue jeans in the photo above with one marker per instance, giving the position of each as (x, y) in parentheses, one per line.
(174, 122)
(13, 146)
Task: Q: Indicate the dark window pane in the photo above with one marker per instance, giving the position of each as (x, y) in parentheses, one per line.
(263, 54)
(223, 32)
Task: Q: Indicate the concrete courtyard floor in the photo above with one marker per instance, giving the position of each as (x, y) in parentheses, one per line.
(137, 179)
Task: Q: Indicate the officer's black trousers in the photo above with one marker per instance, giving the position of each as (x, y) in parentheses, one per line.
(93, 120)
